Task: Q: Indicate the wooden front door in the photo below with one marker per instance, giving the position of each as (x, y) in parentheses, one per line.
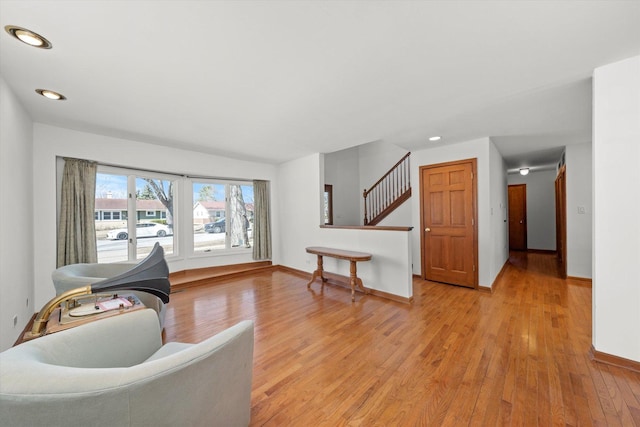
(518, 217)
(448, 223)
(561, 220)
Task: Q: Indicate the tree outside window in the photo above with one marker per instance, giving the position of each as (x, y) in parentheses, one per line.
(222, 216)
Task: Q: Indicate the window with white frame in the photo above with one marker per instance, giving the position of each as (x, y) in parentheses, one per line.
(222, 216)
(122, 194)
(135, 209)
(154, 193)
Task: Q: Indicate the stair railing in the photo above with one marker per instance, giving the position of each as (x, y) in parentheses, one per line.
(388, 192)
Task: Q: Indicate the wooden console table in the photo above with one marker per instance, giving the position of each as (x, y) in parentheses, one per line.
(352, 257)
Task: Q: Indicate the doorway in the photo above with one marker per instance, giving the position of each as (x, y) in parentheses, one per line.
(448, 218)
(518, 217)
(561, 220)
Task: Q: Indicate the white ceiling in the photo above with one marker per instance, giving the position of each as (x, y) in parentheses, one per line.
(276, 80)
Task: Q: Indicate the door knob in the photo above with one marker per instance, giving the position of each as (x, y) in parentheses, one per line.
(427, 229)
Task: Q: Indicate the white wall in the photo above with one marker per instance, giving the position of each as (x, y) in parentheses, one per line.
(390, 267)
(478, 149)
(16, 219)
(616, 203)
(498, 212)
(541, 208)
(402, 215)
(51, 141)
(300, 204)
(342, 171)
(300, 207)
(376, 158)
(579, 213)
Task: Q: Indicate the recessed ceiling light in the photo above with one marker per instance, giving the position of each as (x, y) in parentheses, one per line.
(51, 94)
(28, 37)
(435, 138)
(524, 171)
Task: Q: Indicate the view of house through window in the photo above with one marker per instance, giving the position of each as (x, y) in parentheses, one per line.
(111, 214)
(127, 228)
(133, 211)
(222, 216)
(154, 215)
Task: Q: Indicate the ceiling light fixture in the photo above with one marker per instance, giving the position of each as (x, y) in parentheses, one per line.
(524, 171)
(28, 37)
(51, 94)
(435, 138)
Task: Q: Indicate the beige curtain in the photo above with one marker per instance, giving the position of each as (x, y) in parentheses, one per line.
(77, 230)
(261, 221)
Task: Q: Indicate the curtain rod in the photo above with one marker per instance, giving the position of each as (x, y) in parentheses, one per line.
(111, 165)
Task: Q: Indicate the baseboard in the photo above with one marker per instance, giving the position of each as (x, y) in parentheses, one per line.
(488, 289)
(333, 281)
(610, 359)
(582, 281)
(498, 276)
(294, 271)
(542, 251)
(391, 297)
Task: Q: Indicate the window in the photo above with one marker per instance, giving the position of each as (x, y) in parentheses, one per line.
(111, 237)
(328, 204)
(154, 194)
(135, 209)
(119, 239)
(222, 216)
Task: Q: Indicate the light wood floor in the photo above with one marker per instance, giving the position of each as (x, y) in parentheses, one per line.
(519, 356)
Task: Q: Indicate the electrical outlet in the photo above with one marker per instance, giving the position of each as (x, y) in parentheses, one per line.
(15, 320)
(581, 210)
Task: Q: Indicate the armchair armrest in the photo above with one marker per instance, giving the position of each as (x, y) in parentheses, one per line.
(118, 341)
(51, 381)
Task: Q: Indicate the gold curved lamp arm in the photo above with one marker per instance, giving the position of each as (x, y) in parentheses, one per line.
(42, 318)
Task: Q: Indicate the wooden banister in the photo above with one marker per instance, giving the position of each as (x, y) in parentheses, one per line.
(389, 192)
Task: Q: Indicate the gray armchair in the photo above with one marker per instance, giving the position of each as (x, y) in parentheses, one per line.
(116, 372)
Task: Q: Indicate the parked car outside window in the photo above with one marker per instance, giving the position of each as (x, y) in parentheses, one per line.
(215, 227)
(144, 229)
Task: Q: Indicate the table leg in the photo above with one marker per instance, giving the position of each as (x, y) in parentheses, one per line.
(353, 280)
(317, 273)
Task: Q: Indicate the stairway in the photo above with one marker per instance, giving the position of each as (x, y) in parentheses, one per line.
(388, 192)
